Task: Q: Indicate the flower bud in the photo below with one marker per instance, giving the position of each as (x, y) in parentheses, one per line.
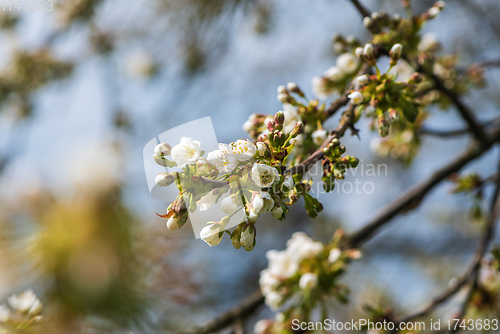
(172, 224)
(363, 80)
(440, 5)
(247, 238)
(229, 205)
(261, 148)
(433, 12)
(359, 52)
(277, 212)
(282, 90)
(396, 21)
(384, 126)
(288, 184)
(293, 87)
(285, 98)
(368, 52)
(212, 234)
(297, 130)
(163, 149)
(396, 52)
(235, 238)
(279, 118)
(164, 179)
(356, 97)
(369, 23)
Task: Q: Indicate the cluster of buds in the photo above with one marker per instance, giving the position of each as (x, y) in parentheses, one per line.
(343, 44)
(22, 313)
(306, 269)
(334, 166)
(230, 176)
(380, 20)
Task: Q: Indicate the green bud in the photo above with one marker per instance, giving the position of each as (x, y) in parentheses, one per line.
(297, 130)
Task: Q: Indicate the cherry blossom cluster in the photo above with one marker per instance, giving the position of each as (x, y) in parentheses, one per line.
(22, 313)
(298, 277)
(242, 175)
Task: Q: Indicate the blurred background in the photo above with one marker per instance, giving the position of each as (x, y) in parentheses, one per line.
(84, 87)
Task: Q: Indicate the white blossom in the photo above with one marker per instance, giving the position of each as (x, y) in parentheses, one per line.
(36, 308)
(308, 281)
(277, 212)
(22, 302)
(334, 74)
(268, 281)
(207, 201)
(187, 151)
(261, 148)
(4, 313)
(319, 136)
(264, 175)
(243, 149)
(282, 264)
(303, 247)
(347, 63)
(223, 158)
(273, 300)
(229, 205)
(172, 224)
(356, 97)
(334, 255)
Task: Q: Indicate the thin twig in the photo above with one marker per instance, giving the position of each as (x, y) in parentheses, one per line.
(414, 195)
(238, 313)
(361, 9)
(472, 273)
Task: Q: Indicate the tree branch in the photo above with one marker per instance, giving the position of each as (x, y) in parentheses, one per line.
(238, 313)
(411, 198)
(361, 9)
(472, 273)
(466, 113)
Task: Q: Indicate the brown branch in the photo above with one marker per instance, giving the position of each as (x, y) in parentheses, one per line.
(471, 274)
(411, 198)
(489, 63)
(459, 132)
(338, 132)
(361, 9)
(238, 313)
